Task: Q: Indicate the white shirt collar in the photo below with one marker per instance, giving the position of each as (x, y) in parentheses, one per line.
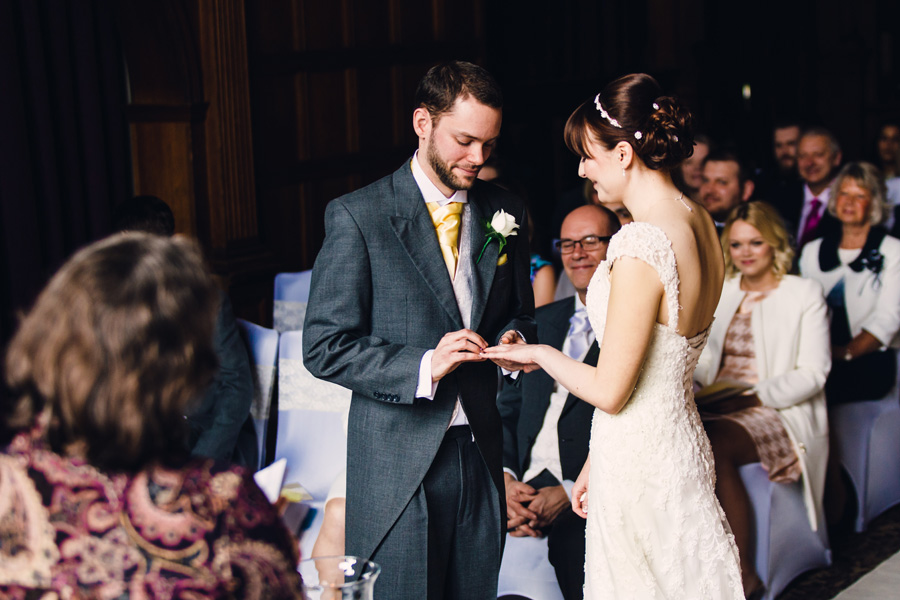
(578, 303)
(430, 191)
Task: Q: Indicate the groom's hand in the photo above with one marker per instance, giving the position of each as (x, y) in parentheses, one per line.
(455, 348)
(513, 337)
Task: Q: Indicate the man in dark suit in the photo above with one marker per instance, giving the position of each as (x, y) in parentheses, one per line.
(221, 426)
(408, 288)
(546, 430)
(726, 183)
(818, 158)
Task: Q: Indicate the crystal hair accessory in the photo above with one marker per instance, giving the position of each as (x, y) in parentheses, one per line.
(655, 106)
(638, 135)
(605, 114)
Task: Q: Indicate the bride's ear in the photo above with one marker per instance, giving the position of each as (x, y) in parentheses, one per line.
(624, 153)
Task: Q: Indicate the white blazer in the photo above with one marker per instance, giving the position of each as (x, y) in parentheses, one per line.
(873, 302)
(793, 358)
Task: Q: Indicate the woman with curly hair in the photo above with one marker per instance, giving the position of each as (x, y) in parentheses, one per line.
(100, 498)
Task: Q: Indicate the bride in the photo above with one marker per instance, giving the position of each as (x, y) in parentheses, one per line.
(655, 528)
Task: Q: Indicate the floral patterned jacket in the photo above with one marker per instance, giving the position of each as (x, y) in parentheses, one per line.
(69, 531)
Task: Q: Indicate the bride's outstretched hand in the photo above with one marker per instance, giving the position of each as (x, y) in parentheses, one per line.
(513, 355)
(580, 490)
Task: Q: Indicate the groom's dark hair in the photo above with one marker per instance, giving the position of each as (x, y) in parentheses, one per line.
(444, 83)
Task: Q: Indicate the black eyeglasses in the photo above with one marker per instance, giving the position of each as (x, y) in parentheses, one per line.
(588, 243)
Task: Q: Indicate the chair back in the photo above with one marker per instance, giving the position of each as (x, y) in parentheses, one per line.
(291, 297)
(311, 421)
(263, 346)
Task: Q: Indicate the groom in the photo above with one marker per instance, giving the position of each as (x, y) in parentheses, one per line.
(406, 291)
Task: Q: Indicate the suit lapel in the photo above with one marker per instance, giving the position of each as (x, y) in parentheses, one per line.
(413, 227)
(485, 268)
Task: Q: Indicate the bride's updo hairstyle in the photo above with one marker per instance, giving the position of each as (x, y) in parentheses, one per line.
(632, 109)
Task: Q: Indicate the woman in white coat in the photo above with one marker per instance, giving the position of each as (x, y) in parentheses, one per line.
(859, 269)
(769, 344)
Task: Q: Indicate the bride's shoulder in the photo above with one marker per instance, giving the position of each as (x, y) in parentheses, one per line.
(644, 241)
(637, 236)
(638, 231)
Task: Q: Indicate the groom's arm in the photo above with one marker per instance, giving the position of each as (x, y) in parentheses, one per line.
(337, 341)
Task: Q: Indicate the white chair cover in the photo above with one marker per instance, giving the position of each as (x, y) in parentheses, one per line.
(263, 346)
(786, 545)
(291, 297)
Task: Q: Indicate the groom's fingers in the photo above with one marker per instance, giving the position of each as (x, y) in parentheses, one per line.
(512, 337)
(454, 349)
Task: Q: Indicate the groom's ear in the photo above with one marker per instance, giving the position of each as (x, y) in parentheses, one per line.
(422, 122)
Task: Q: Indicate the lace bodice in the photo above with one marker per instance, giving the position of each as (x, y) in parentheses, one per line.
(652, 502)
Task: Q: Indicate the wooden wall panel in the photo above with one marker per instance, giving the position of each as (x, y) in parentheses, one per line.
(376, 97)
(332, 87)
(373, 23)
(251, 115)
(165, 148)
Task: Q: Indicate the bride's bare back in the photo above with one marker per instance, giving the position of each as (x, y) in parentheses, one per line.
(699, 261)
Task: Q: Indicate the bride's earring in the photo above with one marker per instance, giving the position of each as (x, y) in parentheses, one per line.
(623, 171)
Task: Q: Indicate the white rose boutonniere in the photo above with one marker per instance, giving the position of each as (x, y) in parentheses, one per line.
(501, 226)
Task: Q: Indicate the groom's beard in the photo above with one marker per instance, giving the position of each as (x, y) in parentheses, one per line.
(444, 170)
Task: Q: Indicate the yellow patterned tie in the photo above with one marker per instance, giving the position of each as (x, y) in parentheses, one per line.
(446, 221)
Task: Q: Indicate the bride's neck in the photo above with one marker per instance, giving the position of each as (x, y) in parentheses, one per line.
(646, 189)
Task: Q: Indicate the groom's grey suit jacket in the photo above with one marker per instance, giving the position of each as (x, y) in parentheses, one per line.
(380, 298)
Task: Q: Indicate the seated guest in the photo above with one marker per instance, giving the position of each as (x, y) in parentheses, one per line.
(101, 499)
(725, 183)
(778, 183)
(858, 265)
(887, 148)
(818, 157)
(621, 211)
(221, 425)
(689, 175)
(543, 276)
(768, 349)
(546, 430)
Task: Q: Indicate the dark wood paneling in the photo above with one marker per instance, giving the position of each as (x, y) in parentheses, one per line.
(278, 106)
(332, 85)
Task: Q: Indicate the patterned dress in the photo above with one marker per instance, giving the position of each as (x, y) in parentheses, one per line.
(762, 423)
(70, 531)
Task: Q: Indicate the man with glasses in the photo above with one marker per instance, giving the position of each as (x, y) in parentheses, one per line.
(546, 430)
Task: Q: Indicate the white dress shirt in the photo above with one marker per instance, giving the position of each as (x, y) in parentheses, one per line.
(426, 388)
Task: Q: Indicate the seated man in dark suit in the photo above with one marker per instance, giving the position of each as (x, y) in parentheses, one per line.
(546, 430)
(221, 426)
(818, 158)
(726, 183)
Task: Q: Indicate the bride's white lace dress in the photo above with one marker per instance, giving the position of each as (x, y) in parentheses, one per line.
(654, 526)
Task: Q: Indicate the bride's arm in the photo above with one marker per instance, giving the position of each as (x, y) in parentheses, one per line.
(634, 304)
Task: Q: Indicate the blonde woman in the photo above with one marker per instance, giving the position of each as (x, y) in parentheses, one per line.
(769, 341)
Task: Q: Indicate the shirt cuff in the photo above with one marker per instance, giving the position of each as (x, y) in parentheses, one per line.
(511, 472)
(568, 485)
(426, 388)
(513, 374)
